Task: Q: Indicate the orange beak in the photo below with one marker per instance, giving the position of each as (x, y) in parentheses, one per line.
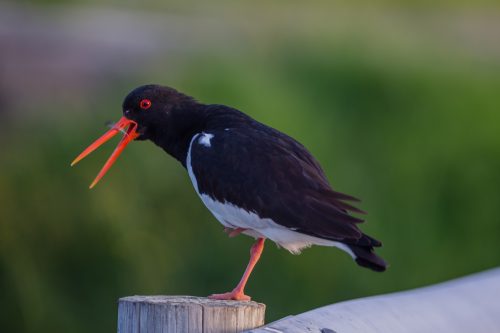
(124, 125)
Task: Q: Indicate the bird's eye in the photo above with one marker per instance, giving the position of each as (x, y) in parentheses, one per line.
(145, 104)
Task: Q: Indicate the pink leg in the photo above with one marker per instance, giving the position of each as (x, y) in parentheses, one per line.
(233, 232)
(238, 292)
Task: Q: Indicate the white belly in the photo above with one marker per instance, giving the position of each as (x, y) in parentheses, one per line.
(234, 217)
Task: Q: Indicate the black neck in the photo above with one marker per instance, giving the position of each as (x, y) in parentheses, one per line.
(175, 135)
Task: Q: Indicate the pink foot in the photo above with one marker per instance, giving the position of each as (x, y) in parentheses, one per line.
(233, 295)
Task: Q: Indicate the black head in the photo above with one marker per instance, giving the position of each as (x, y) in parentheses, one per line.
(155, 108)
(157, 113)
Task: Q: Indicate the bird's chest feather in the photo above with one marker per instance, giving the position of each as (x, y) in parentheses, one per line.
(227, 213)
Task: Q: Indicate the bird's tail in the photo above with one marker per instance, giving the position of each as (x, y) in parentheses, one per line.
(365, 255)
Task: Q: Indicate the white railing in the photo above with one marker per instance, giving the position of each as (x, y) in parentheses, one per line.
(469, 305)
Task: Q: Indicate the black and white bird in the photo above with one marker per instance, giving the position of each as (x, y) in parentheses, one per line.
(254, 179)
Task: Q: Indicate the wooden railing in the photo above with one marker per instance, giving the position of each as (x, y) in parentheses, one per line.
(469, 305)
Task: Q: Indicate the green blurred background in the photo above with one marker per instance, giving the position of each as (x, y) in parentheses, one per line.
(399, 101)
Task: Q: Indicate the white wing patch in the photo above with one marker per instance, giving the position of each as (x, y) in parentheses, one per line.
(205, 139)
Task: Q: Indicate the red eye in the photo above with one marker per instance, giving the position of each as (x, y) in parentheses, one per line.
(145, 104)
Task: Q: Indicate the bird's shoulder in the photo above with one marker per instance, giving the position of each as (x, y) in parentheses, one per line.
(231, 140)
(236, 131)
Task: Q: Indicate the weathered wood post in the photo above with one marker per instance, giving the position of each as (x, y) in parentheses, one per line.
(187, 314)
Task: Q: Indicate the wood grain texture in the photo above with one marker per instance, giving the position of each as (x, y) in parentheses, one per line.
(470, 304)
(187, 314)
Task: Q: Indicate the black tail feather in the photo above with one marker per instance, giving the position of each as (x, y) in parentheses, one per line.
(366, 257)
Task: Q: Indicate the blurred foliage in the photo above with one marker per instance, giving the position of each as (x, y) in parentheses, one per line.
(416, 135)
(186, 4)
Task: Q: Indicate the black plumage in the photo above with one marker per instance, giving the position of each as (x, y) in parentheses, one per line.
(237, 163)
(262, 170)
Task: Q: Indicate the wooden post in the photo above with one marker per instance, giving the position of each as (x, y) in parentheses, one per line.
(187, 314)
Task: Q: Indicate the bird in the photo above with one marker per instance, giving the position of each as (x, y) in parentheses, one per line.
(254, 179)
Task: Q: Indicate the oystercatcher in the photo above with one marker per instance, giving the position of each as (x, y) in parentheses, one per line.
(254, 179)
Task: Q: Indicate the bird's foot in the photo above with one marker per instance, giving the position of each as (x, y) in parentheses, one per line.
(233, 232)
(235, 295)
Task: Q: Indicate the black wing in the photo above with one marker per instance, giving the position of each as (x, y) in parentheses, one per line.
(266, 172)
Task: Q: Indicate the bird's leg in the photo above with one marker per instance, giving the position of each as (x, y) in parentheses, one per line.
(233, 232)
(238, 292)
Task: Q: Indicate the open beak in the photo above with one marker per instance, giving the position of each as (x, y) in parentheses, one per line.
(124, 125)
